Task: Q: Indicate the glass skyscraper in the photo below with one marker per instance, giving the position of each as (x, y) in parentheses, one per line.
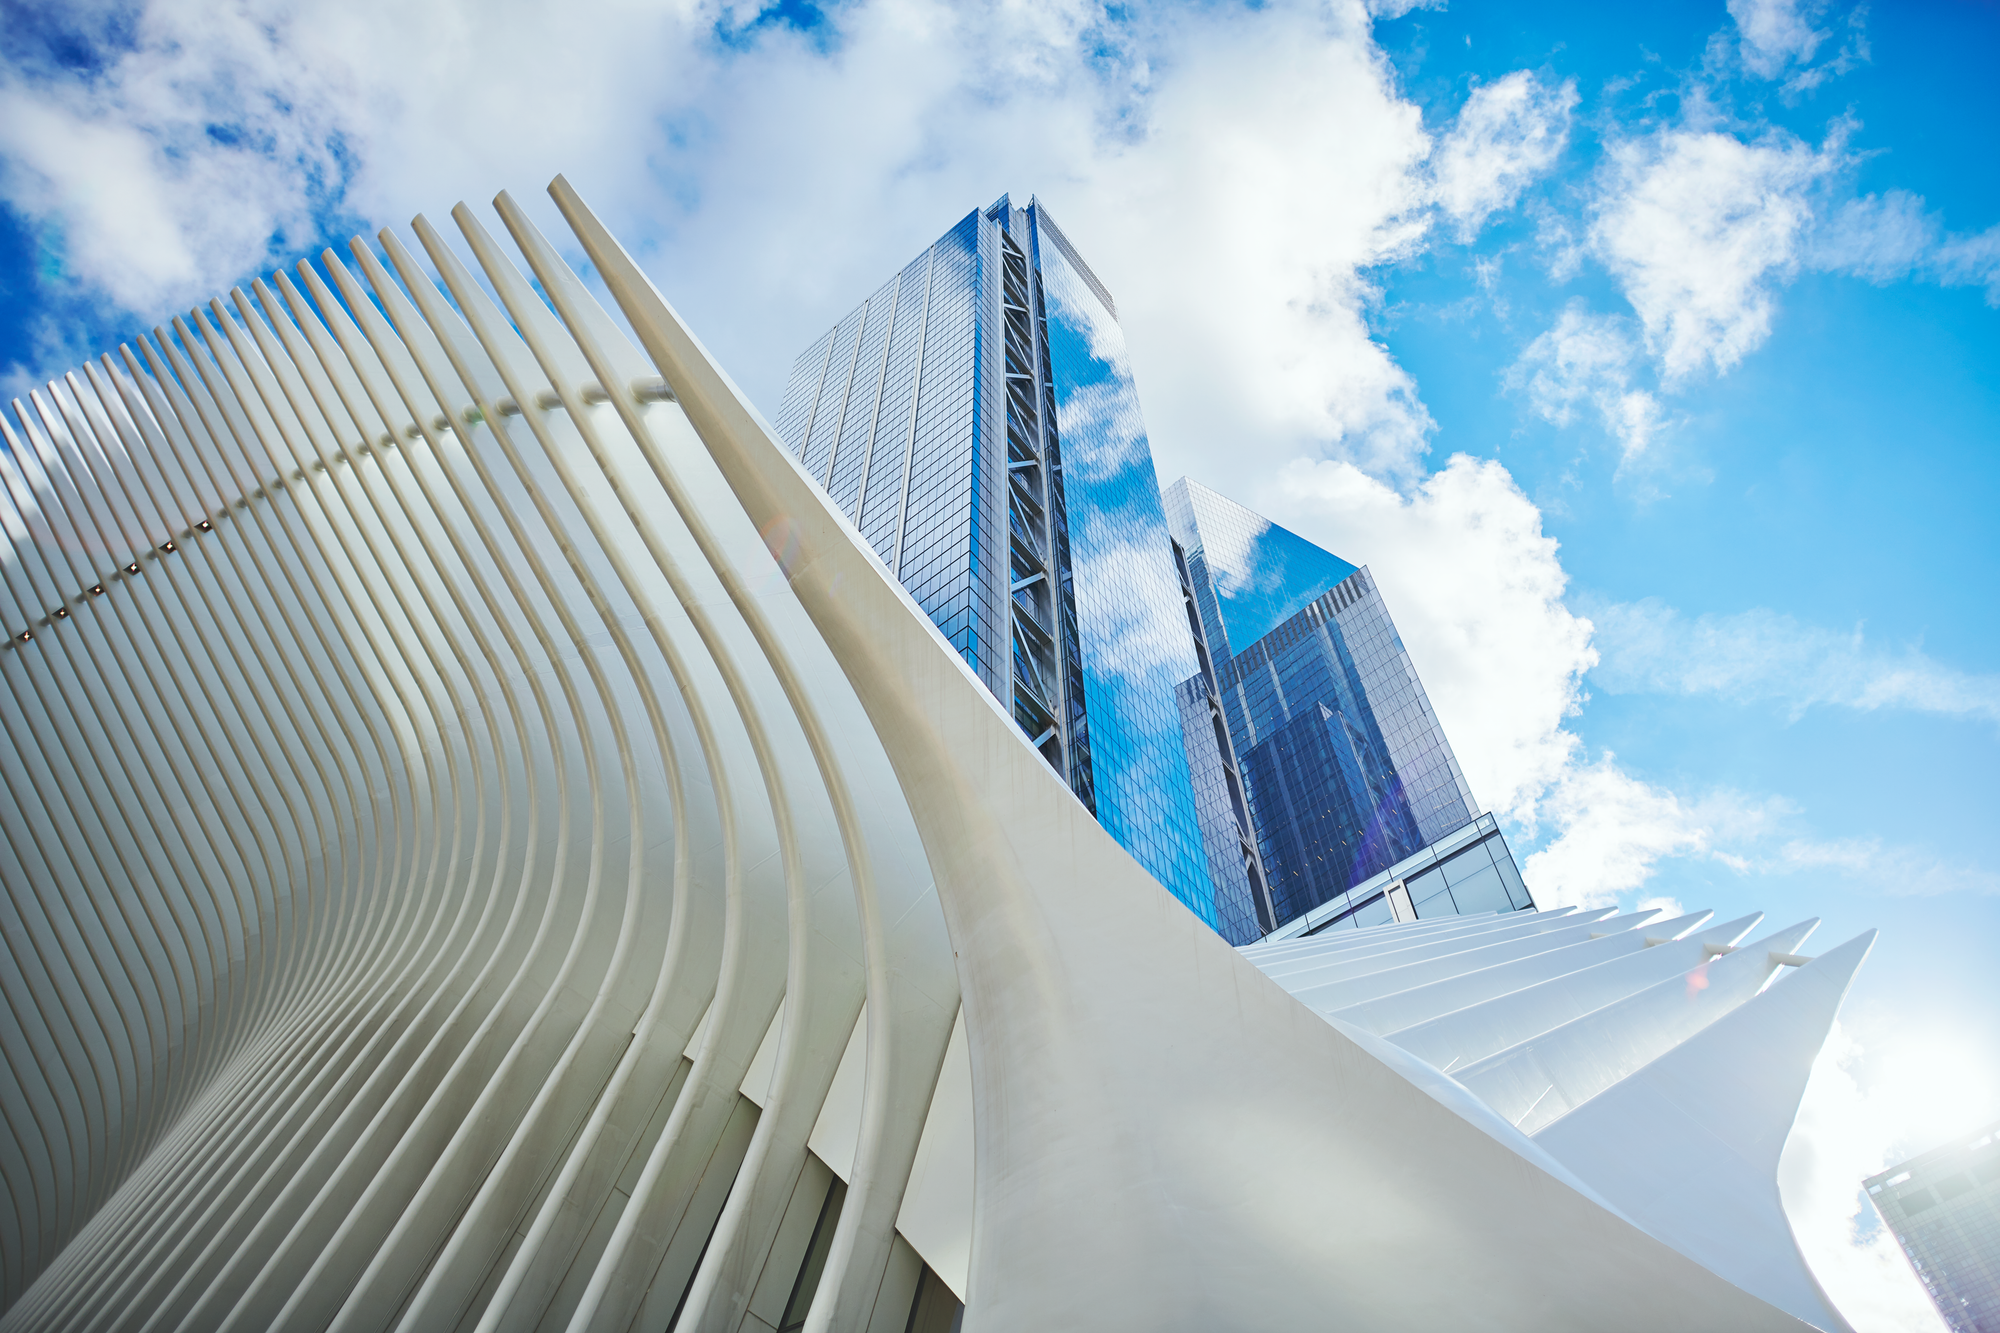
(1944, 1208)
(1343, 803)
(977, 421)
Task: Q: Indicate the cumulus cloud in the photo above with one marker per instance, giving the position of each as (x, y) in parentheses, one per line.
(1309, 167)
(1699, 228)
(1507, 135)
(1590, 359)
(1760, 656)
(1476, 589)
(151, 180)
(200, 143)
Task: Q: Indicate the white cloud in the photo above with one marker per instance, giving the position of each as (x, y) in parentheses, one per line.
(1775, 34)
(1699, 227)
(1908, 871)
(1589, 359)
(1972, 261)
(1395, 9)
(1244, 299)
(1614, 829)
(55, 341)
(1508, 133)
(1760, 656)
(1894, 236)
(1777, 40)
(1611, 831)
(1477, 591)
(1878, 237)
(211, 142)
(1232, 177)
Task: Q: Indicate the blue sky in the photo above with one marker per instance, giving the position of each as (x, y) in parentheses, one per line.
(1645, 353)
(1809, 536)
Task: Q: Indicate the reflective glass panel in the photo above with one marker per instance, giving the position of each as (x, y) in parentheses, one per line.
(1134, 638)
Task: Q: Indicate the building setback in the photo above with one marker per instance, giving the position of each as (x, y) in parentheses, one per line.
(1338, 770)
(1944, 1208)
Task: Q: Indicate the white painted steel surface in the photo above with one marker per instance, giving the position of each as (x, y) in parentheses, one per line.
(488, 847)
(1656, 1060)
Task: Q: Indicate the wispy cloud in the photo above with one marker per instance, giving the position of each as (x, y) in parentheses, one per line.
(1895, 235)
(1909, 871)
(1613, 830)
(1761, 656)
(1508, 134)
(1591, 360)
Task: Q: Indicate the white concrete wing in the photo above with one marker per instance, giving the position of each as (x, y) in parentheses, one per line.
(487, 846)
(1656, 1060)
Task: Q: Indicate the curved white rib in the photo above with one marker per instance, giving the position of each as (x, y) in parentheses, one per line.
(487, 846)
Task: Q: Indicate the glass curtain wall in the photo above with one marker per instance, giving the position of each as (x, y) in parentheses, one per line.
(976, 419)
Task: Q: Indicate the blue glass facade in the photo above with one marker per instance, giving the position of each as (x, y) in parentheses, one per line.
(1466, 871)
(882, 410)
(976, 419)
(1343, 768)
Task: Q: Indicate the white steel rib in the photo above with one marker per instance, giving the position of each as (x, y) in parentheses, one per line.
(488, 846)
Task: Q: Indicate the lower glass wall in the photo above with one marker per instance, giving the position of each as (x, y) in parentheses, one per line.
(1468, 871)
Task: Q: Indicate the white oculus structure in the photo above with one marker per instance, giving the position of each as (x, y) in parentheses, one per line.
(488, 846)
